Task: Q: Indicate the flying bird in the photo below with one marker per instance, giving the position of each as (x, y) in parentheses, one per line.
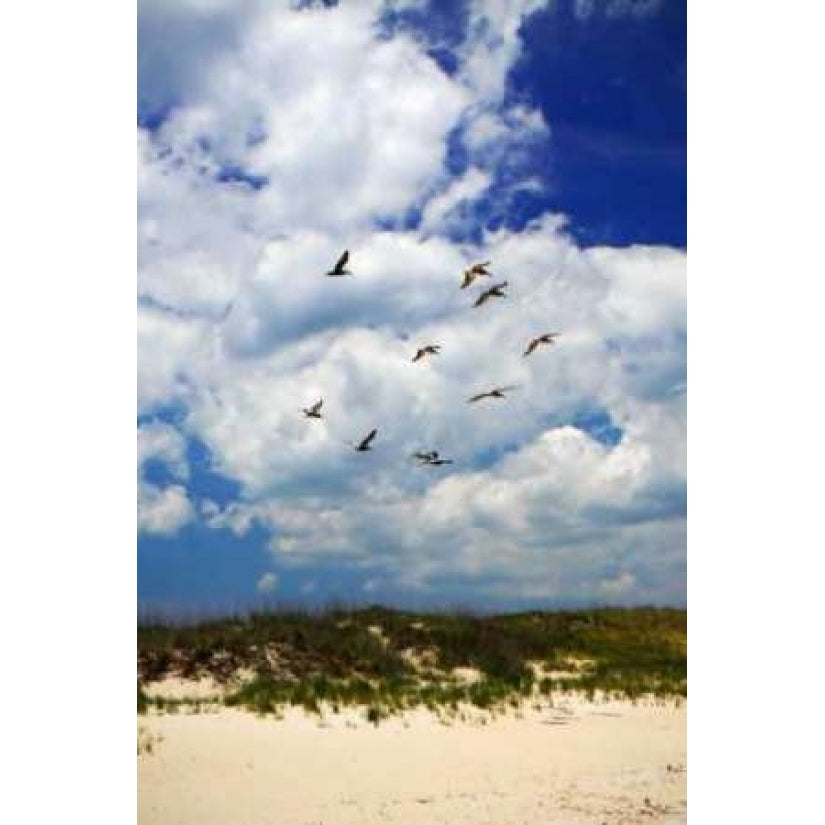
(431, 459)
(430, 349)
(473, 272)
(494, 291)
(315, 410)
(340, 267)
(547, 338)
(496, 393)
(364, 446)
(426, 457)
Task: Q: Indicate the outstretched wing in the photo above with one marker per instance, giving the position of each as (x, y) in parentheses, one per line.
(316, 408)
(532, 346)
(478, 397)
(482, 298)
(366, 442)
(419, 355)
(342, 262)
(468, 279)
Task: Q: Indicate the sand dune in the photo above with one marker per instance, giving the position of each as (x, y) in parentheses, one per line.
(578, 762)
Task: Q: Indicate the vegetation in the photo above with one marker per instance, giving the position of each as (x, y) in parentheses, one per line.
(387, 660)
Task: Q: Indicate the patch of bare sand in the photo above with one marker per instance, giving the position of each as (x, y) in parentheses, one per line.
(575, 763)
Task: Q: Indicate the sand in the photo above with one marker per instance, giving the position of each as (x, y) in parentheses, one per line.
(578, 762)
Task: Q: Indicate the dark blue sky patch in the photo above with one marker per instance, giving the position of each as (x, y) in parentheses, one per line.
(234, 174)
(458, 158)
(153, 118)
(598, 424)
(446, 60)
(442, 23)
(157, 472)
(613, 91)
(205, 482)
(171, 414)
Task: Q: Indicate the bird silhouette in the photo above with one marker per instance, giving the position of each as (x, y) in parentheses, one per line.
(547, 338)
(430, 459)
(426, 457)
(494, 291)
(498, 392)
(364, 446)
(315, 410)
(430, 349)
(475, 271)
(340, 267)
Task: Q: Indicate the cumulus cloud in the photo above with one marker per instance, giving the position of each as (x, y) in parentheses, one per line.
(162, 510)
(302, 133)
(267, 583)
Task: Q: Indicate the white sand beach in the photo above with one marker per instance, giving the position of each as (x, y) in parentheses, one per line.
(575, 763)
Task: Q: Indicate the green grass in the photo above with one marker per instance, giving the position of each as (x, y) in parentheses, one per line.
(367, 657)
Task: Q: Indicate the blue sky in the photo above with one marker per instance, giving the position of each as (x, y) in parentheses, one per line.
(548, 138)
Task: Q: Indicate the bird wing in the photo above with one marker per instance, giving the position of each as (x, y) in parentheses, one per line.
(367, 440)
(477, 397)
(468, 279)
(531, 346)
(342, 262)
(508, 388)
(482, 298)
(317, 406)
(418, 355)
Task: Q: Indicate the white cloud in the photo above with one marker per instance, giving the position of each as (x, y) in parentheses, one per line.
(460, 192)
(267, 583)
(162, 511)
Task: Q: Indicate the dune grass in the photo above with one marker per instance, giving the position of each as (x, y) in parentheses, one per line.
(388, 660)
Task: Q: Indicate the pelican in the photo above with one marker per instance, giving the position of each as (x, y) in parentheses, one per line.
(431, 459)
(364, 446)
(473, 272)
(494, 291)
(315, 410)
(340, 267)
(498, 392)
(547, 338)
(426, 458)
(430, 349)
